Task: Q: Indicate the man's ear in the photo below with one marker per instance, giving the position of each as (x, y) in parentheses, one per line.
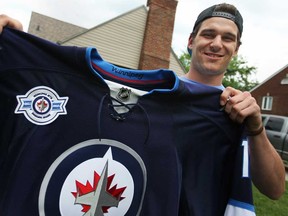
(189, 45)
(237, 47)
(236, 51)
(190, 41)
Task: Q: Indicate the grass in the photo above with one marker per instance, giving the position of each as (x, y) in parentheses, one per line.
(267, 207)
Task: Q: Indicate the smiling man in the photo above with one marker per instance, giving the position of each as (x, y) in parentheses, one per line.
(214, 41)
(213, 162)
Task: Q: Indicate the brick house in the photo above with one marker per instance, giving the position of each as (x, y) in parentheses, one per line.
(138, 39)
(272, 94)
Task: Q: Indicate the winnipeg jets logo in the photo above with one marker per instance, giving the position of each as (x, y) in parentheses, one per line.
(97, 199)
(41, 105)
(94, 178)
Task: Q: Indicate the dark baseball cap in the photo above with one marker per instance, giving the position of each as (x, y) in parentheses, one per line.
(219, 11)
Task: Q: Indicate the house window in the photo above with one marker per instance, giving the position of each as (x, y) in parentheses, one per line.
(285, 80)
(267, 103)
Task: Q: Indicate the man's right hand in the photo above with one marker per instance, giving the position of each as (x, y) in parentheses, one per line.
(9, 22)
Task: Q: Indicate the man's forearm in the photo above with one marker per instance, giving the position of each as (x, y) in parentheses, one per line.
(267, 168)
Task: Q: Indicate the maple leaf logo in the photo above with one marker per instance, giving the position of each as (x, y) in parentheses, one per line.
(96, 199)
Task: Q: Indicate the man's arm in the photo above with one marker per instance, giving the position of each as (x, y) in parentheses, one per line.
(10, 22)
(267, 168)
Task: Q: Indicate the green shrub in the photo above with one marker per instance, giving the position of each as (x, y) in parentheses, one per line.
(267, 207)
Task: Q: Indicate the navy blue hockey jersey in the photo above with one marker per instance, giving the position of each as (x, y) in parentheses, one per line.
(215, 161)
(65, 150)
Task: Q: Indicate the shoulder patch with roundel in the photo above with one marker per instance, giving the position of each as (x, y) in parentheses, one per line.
(41, 105)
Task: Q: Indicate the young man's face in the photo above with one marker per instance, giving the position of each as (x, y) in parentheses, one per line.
(214, 46)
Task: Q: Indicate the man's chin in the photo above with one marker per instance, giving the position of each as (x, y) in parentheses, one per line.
(214, 71)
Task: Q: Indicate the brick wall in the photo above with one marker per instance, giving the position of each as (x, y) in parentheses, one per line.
(275, 89)
(158, 34)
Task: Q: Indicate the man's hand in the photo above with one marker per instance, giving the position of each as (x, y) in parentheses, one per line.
(267, 168)
(242, 108)
(10, 22)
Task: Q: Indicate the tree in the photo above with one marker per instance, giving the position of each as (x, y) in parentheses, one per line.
(238, 75)
(185, 59)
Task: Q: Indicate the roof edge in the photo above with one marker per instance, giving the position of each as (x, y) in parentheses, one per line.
(269, 78)
(104, 23)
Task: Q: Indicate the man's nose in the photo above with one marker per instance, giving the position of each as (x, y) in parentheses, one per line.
(216, 42)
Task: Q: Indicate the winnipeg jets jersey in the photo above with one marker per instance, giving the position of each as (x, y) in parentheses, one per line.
(66, 149)
(212, 150)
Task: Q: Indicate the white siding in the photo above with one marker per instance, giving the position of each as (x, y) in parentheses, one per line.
(175, 64)
(119, 40)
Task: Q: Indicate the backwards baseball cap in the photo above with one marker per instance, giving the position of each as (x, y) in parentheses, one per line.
(220, 10)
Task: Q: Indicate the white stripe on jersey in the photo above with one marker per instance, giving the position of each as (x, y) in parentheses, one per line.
(236, 208)
(245, 168)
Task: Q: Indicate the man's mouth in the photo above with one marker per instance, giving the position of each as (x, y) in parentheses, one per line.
(213, 55)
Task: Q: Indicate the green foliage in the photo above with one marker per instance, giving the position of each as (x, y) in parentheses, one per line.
(267, 207)
(185, 60)
(238, 75)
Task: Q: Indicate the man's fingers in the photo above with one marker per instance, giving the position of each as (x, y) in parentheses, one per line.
(10, 22)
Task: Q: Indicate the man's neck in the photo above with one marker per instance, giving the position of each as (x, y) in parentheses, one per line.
(205, 79)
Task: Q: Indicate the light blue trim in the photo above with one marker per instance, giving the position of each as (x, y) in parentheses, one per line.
(221, 87)
(242, 205)
(92, 55)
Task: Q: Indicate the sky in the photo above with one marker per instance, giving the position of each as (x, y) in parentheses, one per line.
(264, 39)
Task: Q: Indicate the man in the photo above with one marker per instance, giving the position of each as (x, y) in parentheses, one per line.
(215, 39)
(207, 67)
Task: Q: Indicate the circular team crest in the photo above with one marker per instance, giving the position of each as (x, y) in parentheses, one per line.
(95, 177)
(41, 105)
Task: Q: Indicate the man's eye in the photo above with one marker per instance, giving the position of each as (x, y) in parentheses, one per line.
(230, 39)
(208, 35)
